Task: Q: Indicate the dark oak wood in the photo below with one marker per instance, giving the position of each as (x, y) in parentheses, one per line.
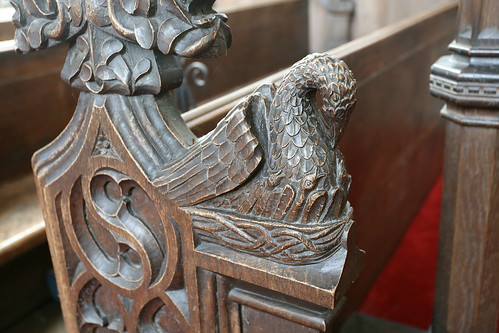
(467, 285)
(141, 214)
(21, 221)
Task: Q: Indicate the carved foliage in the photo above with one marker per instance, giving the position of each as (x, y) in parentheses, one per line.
(46, 23)
(113, 42)
(100, 63)
(185, 28)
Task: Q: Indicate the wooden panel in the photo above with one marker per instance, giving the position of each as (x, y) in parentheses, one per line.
(394, 140)
(374, 14)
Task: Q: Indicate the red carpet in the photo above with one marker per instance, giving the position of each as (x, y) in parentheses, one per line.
(404, 291)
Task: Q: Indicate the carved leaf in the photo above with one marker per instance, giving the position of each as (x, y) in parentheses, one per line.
(35, 37)
(76, 12)
(57, 29)
(120, 68)
(39, 8)
(105, 73)
(21, 41)
(168, 31)
(18, 18)
(144, 33)
(195, 40)
(129, 6)
(75, 58)
(86, 72)
(142, 67)
(110, 47)
(94, 87)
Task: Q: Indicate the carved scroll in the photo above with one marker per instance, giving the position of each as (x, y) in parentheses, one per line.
(142, 215)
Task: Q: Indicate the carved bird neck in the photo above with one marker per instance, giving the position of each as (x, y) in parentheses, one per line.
(302, 136)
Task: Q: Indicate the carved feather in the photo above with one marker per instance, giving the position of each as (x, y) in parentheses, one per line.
(217, 163)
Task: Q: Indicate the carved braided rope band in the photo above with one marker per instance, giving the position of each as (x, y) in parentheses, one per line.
(282, 242)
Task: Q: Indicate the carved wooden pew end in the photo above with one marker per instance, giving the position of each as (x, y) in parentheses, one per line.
(154, 229)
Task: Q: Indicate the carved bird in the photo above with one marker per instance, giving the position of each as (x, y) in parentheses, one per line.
(275, 155)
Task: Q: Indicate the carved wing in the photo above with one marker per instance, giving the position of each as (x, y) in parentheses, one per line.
(217, 163)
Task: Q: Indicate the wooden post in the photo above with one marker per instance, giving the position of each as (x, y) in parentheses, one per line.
(467, 286)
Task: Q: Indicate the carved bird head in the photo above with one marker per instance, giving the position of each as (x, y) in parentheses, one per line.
(338, 96)
(189, 28)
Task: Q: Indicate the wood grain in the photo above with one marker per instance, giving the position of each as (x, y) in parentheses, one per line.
(393, 44)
